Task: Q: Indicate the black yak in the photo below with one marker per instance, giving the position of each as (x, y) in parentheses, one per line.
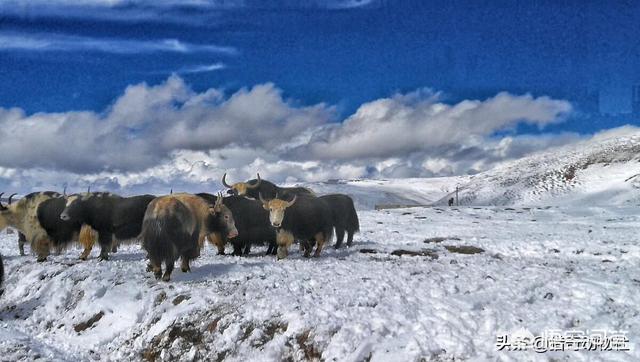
(252, 222)
(108, 214)
(305, 218)
(176, 225)
(60, 231)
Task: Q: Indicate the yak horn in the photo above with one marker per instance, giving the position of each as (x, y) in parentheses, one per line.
(257, 183)
(64, 191)
(10, 197)
(295, 197)
(2, 207)
(261, 199)
(218, 203)
(224, 181)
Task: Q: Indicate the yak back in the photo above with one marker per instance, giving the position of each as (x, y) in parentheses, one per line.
(269, 190)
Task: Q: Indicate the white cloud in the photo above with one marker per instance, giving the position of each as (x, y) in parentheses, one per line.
(41, 42)
(199, 12)
(418, 121)
(204, 68)
(153, 138)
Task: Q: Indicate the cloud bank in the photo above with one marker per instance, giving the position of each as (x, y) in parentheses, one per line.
(156, 137)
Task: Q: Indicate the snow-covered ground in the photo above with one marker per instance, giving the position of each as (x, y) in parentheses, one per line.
(541, 268)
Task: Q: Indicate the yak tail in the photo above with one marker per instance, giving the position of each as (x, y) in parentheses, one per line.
(1, 276)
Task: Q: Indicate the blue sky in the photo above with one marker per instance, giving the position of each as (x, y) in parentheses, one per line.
(58, 57)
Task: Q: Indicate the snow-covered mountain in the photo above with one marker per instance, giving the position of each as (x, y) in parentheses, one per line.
(603, 171)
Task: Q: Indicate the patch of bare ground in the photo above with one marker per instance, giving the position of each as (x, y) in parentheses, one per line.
(464, 249)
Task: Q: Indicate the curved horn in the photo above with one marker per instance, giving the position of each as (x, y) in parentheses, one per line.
(2, 207)
(89, 189)
(293, 201)
(64, 191)
(257, 183)
(224, 181)
(261, 199)
(10, 197)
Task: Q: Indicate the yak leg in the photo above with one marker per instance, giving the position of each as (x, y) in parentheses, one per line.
(284, 239)
(216, 239)
(168, 269)
(105, 240)
(42, 248)
(339, 237)
(156, 268)
(271, 249)
(184, 266)
(87, 239)
(349, 238)
(308, 246)
(319, 243)
(247, 248)
(21, 241)
(114, 245)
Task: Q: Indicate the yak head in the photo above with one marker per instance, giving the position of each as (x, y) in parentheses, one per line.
(223, 217)
(5, 211)
(240, 188)
(73, 208)
(276, 208)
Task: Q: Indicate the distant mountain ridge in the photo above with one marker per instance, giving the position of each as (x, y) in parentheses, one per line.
(601, 171)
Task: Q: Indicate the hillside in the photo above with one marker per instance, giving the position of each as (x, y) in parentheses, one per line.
(604, 170)
(601, 171)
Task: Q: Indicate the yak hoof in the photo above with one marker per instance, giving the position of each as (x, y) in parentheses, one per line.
(158, 275)
(103, 257)
(41, 259)
(186, 270)
(166, 277)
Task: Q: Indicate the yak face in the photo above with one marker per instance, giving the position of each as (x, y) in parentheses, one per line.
(222, 217)
(5, 212)
(73, 208)
(276, 208)
(240, 188)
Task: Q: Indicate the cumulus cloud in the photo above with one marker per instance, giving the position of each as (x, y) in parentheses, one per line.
(147, 123)
(156, 137)
(41, 42)
(418, 121)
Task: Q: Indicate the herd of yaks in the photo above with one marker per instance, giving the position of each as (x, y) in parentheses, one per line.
(176, 225)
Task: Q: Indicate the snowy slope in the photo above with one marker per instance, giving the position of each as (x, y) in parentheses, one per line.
(541, 269)
(604, 170)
